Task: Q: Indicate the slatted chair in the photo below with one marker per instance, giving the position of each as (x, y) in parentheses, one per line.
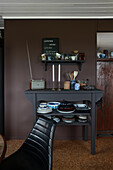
(36, 151)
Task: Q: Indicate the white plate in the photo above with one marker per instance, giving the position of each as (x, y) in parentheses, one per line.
(66, 111)
(82, 117)
(80, 105)
(43, 110)
(68, 121)
(56, 119)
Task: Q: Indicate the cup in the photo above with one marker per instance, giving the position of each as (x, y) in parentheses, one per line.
(72, 84)
(77, 86)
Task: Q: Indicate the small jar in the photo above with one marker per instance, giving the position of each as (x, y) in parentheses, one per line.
(72, 84)
(67, 85)
(77, 86)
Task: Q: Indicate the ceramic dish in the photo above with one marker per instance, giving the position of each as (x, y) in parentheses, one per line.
(56, 119)
(82, 107)
(82, 117)
(44, 110)
(82, 121)
(67, 120)
(68, 116)
(53, 105)
(43, 105)
(65, 111)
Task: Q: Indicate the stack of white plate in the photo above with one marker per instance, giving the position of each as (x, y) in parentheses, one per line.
(82, 107)
(68, 120)
(43, 108)
(82, 118)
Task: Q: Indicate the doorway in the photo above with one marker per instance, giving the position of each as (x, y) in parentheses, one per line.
(105, 81)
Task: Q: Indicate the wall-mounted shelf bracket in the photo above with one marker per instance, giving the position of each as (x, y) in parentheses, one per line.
(64, 62)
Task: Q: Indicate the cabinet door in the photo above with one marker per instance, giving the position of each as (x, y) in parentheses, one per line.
(105, 82)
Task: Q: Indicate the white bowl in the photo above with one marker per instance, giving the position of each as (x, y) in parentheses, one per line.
(53, 105)
(43, 105)
(81, 105)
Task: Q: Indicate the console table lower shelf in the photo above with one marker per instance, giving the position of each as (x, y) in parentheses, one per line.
(92, 96)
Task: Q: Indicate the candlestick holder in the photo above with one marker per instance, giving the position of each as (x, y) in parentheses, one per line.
(59, 89)
(53, 86)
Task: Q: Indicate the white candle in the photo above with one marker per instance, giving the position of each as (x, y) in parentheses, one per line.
(59, 73)
(53, 72)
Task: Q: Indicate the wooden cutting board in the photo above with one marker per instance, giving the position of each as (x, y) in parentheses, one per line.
(2, 147)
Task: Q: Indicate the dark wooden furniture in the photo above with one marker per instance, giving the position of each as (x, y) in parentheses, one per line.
(93, 96)
(1, 86)
(66, 62)
(2, 147)
(36, 151)
(105, 82)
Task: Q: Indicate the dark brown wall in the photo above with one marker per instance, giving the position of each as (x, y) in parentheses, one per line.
(73, 35)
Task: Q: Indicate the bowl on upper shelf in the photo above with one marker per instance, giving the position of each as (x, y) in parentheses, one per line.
(53, 105)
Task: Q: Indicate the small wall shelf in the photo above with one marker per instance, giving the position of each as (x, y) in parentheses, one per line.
(105, 59)
(64, 62)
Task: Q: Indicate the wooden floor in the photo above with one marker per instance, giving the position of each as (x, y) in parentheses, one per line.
(75, 155)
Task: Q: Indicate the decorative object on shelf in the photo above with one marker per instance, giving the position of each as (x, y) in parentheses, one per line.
(34, 84)
(106, 53)
(59, 75)
(81, 56)
(89, 87)
(102, 55)
(53, 76)
(56, 119)
(59, 89)
(68, 120)
(76, 54)
(73, 57)
(50, 46)
(82, 118)
(72, 84)
(67, 85)
(111, 54)
(44, 110)
(58, 56)
(43, 105)
(43, 57)
(37, 84)
(53, 105)
(66, 107)
(82, 107)
(77, 86)
(72, 76)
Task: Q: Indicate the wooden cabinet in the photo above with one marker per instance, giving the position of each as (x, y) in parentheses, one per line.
(93, 96)
(1, 83)
(105, 82)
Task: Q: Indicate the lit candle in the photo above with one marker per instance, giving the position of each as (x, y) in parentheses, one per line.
(59, 73)
(53, 72)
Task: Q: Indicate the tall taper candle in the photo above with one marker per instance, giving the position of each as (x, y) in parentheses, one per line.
(53, 72)
(59, 73)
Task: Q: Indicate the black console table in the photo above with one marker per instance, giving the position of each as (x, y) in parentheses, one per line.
(93, 96)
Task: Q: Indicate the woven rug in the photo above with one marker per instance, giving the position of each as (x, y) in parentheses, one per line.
(76, 154)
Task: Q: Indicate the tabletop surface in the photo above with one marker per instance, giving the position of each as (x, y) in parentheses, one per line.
(63, 91)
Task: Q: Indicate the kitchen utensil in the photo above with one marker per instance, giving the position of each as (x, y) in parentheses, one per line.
(75, 74)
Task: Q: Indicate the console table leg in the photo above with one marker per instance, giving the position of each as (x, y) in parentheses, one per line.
(85, 133)
(34, 102)
(93, 125)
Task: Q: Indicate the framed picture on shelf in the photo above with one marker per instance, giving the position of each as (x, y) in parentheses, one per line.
(50, 46)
